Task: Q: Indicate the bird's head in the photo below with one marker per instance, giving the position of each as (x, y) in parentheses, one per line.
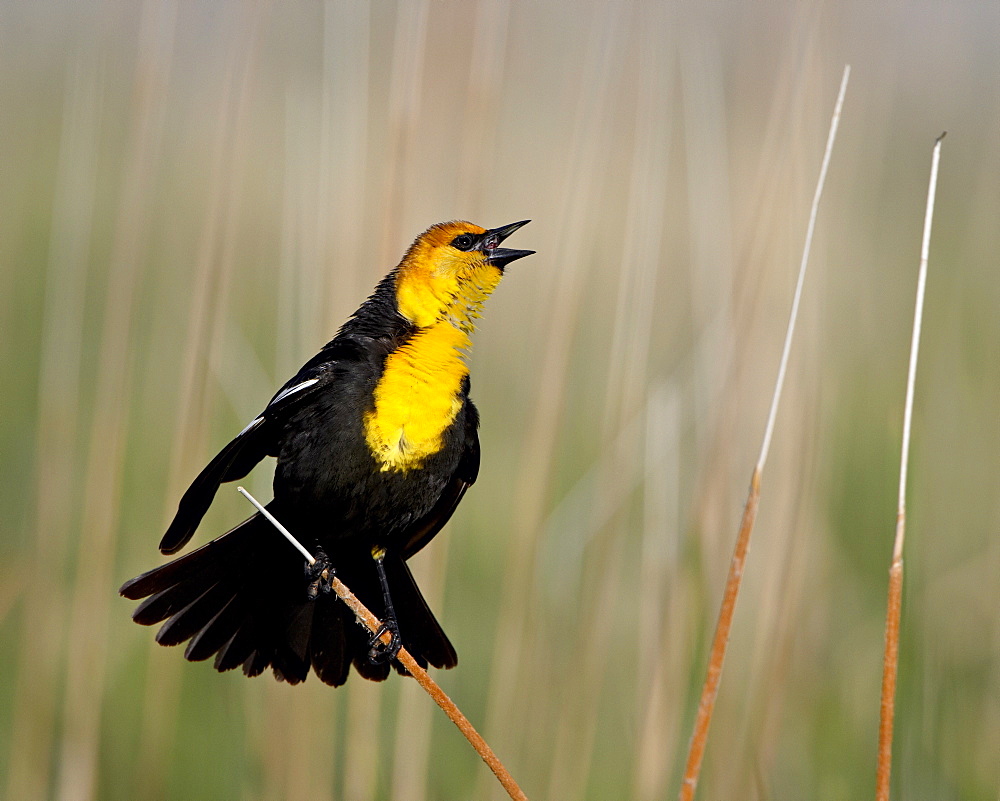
(450, 270)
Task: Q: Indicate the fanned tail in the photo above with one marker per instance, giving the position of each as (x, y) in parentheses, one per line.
(242, 599)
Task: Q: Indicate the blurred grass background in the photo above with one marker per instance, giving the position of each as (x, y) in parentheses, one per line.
(195, 195)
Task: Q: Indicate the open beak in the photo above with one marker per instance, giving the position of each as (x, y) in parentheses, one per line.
(501, 257)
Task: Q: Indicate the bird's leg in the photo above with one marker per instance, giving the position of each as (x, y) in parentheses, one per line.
(379, 651)
(319, 574)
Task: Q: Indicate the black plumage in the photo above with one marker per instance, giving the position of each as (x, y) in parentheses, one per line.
(242, 597)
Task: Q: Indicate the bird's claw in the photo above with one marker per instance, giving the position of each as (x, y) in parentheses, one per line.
(380, 652)
(320, 575)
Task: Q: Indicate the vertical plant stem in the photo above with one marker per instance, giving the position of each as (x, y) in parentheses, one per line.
(77, 777)
(513, 672)
(890, 661)
(717, 656)
(43, 638)
(713, 676)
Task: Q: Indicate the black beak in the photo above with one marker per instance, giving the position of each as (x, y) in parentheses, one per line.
(501, 257)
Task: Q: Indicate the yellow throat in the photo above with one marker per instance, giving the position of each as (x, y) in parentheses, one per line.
(419, 392)
(417, 397)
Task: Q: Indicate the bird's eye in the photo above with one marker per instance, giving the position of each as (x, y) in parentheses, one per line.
(463, 242)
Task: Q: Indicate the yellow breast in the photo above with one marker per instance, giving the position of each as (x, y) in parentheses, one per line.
(417, 397)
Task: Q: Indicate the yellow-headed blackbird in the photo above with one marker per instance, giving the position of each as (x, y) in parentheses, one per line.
(376, 443)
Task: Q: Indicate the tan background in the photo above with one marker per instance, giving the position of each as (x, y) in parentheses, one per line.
(195, 194)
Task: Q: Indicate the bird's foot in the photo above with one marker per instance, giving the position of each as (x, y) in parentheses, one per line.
(380, 652)
(320, 575)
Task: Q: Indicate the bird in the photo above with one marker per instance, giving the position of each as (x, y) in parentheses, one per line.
(376, 442)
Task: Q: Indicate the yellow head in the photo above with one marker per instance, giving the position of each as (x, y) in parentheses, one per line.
(450, 270)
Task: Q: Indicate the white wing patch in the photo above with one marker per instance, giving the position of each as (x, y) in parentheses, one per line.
(252, 425)
(277, 399)
(292, 390)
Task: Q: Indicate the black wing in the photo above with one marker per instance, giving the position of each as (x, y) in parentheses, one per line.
(465, 475)
(259, 439)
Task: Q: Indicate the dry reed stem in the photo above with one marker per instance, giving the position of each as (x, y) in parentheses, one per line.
(104, 474)
(890, 660)
(713, 676)
(514, 671)
(717, 656)
(373, 624)
(34, 707)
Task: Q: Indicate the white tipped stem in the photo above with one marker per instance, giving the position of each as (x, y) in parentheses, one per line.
(374, 625)
(773, 414)
(890, 659)
(918, 315)
(717, 655)
(274, 521)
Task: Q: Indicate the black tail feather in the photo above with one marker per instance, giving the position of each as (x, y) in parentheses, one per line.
(217, 632)
(235, 652)
(242, 598)
(328, 648)
(422, 634)
(200, 565)
(196, 615)
(257, 663)
(169, 602)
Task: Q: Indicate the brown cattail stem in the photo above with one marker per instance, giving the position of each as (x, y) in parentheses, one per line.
(713, 675)
(373, 624)
(893, 613)
(710, 690)
(890, 663)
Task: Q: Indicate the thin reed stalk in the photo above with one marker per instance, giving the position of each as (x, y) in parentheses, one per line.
(713, 676)
(602, 567)
(373, 624)
(512, 663)
(207, 300)
(34, 713)
(890, 661)
(86, 672)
